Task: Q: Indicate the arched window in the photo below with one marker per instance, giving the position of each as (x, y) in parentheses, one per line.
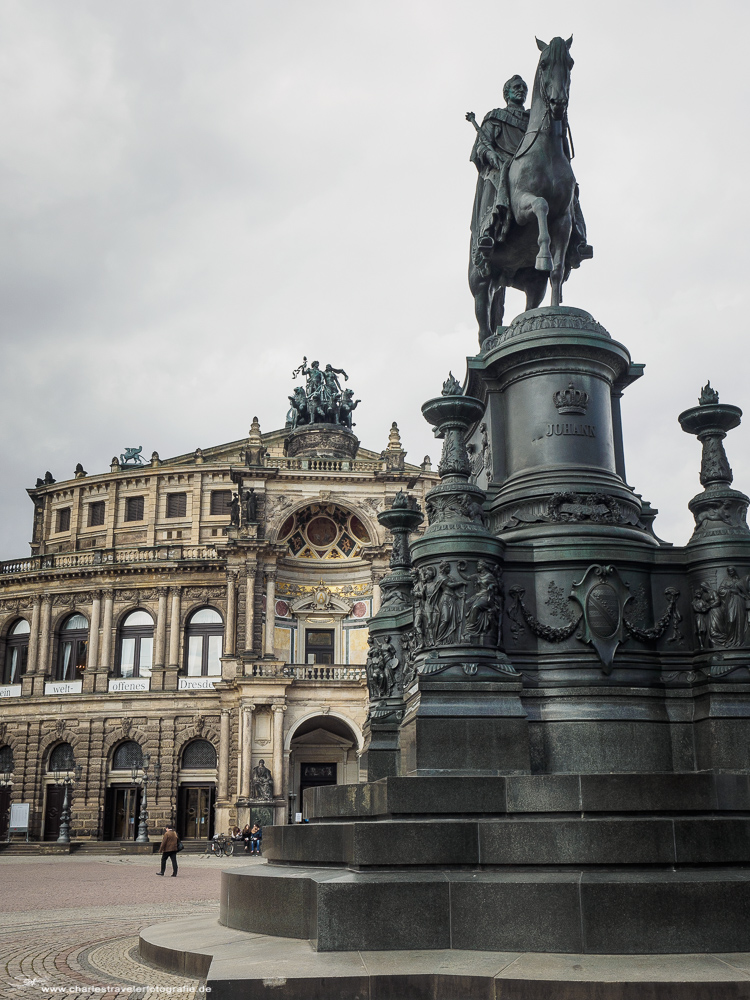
(6, 759)
(16, 652)
(62, 758)
(136, 646)
(203, 641)
(198, 755)
(126, 756)
(74, 644)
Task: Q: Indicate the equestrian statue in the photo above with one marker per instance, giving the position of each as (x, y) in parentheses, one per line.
(527, 226)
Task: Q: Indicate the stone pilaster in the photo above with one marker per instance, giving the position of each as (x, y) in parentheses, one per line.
(230, 632)
(89, 678)
(173, 666)
(279, 790)
(160, 641)
(105, 657)
(270, 631)
(222, 790)
(250, 606)
(32, 662)
(246, 750)
(44, 666)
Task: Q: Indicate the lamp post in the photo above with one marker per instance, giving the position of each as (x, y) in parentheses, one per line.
(6, 782)
(66, 781)
(143, 781)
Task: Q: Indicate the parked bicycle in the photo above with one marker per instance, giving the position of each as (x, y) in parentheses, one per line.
(221, 845)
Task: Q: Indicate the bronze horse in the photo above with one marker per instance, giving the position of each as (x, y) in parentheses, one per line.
(533, 242)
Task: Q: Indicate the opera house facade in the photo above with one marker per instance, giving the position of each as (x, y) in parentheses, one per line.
(198, 626)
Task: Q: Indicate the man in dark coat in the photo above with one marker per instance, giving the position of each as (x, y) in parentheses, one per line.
(497, 140)
(169, 844)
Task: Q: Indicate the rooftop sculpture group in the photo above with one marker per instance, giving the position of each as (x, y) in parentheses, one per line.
(322, 400)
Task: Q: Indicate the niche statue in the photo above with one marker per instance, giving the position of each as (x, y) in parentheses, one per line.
(262, 782)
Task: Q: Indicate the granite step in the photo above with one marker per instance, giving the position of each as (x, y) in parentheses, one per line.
(595, 912)
(243, 966)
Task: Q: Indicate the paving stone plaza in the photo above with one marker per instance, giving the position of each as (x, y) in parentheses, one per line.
(70, 925)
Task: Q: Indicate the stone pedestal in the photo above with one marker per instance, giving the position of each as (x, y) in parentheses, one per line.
(464, 726)
(552, 381)
(463, 708)
(391, 646)
(322, 440)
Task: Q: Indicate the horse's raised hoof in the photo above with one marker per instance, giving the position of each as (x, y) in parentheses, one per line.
(543, 263)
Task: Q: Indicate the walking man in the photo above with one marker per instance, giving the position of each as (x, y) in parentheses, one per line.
(169, 844)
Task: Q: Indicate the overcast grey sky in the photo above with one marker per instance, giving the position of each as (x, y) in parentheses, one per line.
(194, 195)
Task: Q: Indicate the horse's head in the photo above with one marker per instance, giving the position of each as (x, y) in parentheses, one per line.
(555, 64)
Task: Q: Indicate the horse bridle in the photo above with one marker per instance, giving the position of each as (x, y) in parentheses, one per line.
(544, 128)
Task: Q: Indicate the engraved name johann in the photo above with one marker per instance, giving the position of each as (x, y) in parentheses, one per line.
(564, 428)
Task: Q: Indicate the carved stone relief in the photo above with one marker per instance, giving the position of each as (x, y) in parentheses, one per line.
(721, 612)
(382, 668)
(452, 606)
(567, 507)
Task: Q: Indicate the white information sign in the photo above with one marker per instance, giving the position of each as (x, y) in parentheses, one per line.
(129, 684)
(63, 687)
(196, 683)
(19, 818)
(10, 690)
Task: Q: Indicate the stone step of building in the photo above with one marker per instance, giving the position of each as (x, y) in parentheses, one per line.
(80, 847)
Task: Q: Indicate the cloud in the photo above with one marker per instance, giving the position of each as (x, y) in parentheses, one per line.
(194, 196)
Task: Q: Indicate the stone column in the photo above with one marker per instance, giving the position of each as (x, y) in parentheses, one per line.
(278, 751)
(31, 664)
(44, 638)
(250, 607)
(270, 612)
(174, 630)
(230, 637)
(105, 659)
(377, 596)
(160, 644)
(27, 682)
(246, 749)
(96, 611)
(160, 641)
(223, 783)
(105, 656)
(89, 678)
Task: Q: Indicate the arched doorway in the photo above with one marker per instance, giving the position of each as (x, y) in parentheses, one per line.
(196, 796)
(61, 761)
(322, 751)
(123, 796)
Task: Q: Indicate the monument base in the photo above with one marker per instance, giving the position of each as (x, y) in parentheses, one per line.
(567, 863)
(241, 966)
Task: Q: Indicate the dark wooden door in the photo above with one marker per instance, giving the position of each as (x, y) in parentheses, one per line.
(196, 812)
(121, 812)
(4, 811)
(53, 811)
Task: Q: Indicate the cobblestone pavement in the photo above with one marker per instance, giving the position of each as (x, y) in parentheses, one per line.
(70, 925)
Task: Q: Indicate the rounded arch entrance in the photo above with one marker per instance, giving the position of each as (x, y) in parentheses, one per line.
(323, 750)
